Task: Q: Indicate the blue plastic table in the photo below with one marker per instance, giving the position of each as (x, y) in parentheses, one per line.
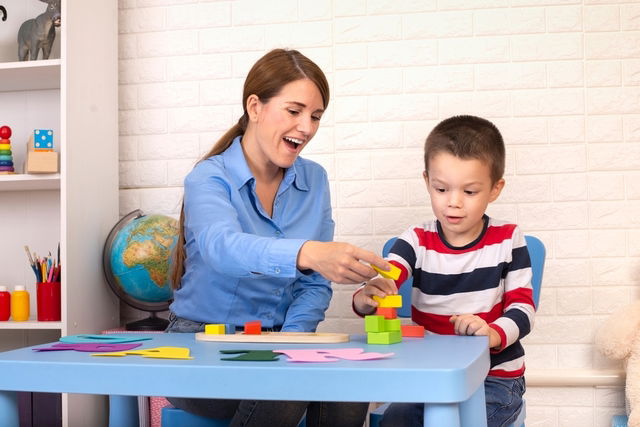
(445, 372)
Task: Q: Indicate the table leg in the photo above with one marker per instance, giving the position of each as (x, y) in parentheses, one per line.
(9, 408)
(474, 410)
(441, 414)
(123, 411)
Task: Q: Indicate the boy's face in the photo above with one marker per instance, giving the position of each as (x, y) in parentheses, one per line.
(460, 192)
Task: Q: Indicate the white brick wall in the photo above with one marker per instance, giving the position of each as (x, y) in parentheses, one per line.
(561, 78)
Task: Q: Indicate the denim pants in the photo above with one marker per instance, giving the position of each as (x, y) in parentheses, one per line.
(503, 398)
(267, 413)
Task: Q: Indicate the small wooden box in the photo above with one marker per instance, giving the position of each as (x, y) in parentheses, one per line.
(41, 162)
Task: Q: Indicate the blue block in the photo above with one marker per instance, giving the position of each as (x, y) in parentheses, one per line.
(43, 139)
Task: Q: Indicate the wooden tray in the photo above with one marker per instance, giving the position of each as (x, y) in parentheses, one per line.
(276, 337)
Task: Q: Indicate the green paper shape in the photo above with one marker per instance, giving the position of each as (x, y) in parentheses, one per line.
(251, 355)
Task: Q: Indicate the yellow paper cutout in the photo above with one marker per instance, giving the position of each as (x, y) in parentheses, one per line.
(153, 353)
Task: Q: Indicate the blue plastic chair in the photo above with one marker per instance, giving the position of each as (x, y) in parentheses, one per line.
(619, 421)
(174, 417)
(537, 253)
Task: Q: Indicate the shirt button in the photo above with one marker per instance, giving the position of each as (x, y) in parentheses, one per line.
(276, 292)
(277, 270)
(278, 233)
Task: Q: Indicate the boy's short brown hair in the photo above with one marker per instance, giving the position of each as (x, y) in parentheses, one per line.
(468, 137)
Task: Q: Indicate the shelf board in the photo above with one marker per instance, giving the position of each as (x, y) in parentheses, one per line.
(30, 324)
(30, 75)
(30, 182)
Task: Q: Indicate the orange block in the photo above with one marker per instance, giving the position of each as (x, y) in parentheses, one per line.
(387, 312)
(253, 328)
(412, 331)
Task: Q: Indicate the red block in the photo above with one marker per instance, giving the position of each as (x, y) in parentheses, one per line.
(253, 328)
(412, 331)
(387, 312)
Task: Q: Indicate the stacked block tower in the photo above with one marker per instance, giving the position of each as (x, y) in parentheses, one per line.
(384, 327)
(6, 157)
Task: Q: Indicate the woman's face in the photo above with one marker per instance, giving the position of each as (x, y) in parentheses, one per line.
(284, 125)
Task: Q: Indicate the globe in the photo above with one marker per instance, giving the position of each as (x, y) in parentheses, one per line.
(137, 264)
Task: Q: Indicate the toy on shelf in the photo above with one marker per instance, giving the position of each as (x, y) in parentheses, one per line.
(6, 156)
(40, 155)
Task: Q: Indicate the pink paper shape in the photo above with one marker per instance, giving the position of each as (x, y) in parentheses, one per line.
(90, 347)
(330, 354)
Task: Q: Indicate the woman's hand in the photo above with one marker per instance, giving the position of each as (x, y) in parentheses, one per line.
(339, 262)
(363, 300)
(470, 324)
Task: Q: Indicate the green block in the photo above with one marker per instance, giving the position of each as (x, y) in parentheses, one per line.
(384, 337)
(374, 323)
(392, 325)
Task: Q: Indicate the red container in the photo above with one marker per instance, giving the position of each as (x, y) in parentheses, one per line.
(48, 301)
(5, 304)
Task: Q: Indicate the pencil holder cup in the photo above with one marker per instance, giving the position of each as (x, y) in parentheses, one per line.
(48, 301)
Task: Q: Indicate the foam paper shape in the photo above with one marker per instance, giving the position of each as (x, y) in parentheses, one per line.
(108, 339)
(251, 355)
(330, 355)
(89, 347)
(154, 353)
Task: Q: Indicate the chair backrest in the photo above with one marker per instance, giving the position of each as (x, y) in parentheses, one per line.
(537, 253)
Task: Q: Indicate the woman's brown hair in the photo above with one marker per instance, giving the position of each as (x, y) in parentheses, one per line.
(266, 79)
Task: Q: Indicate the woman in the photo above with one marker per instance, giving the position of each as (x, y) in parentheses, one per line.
(256, 231)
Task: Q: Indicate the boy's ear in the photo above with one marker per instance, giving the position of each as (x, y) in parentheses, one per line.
(254, 106)
(496, 189)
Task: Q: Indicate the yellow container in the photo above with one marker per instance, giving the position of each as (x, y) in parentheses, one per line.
(19, 304)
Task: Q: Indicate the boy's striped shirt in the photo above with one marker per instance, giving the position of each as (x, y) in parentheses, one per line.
(490, 277)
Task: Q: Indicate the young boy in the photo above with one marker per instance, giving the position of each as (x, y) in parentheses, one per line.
(471, 273)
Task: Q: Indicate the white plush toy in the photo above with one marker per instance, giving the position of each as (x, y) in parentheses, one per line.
(619, 338)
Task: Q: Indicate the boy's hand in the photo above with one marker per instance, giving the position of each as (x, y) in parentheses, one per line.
(363, 300)
(470, 324)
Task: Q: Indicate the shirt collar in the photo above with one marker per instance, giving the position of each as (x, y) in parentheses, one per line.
(239, 171)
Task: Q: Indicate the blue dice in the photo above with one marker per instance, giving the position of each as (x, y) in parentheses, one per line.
(43, 140)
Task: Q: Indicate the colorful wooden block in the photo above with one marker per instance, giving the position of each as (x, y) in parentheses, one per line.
(374, 323)
(393, 273)
(394, 301)
(384, 337)
(229, 329)
(412, 331)
(387, 312)
(391, 325)
(253, 328)
(214, 329)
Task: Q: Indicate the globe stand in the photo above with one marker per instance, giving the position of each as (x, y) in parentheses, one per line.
(151, 323)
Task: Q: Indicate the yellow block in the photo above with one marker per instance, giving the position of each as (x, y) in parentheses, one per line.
(394, 273)
(214, 329)
(394, 301)
(5, 146)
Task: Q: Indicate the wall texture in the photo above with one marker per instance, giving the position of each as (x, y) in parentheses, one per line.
(560, 78)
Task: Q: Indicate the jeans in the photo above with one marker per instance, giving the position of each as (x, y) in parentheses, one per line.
(267, 413)
(503, 398)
